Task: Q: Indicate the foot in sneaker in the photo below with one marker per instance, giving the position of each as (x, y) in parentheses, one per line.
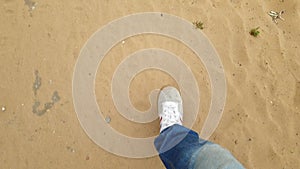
(170, 109)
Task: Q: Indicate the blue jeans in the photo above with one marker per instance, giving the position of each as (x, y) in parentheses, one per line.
(181, 148)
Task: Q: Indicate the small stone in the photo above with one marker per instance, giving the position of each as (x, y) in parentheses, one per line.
(3, 108)
(123, 41)
(22, 104)
(107, 119)
(70, 149)
(87, 158)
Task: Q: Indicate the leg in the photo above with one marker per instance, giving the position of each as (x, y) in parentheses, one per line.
(180, 147)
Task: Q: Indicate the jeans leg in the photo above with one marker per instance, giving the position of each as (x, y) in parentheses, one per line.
(177, 146)
(214, 156)
(181, 148)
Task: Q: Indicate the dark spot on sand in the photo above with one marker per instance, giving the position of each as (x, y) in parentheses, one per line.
(47, 106)
(37, 83)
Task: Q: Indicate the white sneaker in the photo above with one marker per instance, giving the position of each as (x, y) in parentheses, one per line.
(170, 109)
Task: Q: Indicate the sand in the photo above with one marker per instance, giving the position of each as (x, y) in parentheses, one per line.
(260, 121)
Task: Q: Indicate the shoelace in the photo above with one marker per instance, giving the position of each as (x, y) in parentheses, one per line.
(170, 115)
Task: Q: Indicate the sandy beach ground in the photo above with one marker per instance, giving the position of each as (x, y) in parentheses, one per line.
(40, 42)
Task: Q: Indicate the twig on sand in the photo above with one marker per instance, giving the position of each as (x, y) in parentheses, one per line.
(276, 15)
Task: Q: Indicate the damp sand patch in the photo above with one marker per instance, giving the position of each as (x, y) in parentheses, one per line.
(48, 105)
(37, 83)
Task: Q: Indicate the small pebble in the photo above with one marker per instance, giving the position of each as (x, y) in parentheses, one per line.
(3, 108)
(70, 149)
(34, 4)
(123, 42)
(107, 119)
